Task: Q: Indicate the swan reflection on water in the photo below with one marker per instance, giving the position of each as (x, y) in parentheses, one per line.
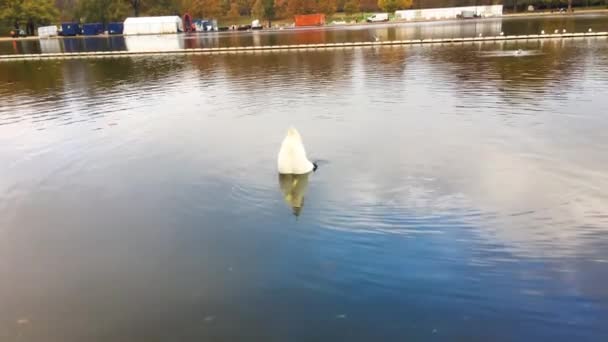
(294, 188)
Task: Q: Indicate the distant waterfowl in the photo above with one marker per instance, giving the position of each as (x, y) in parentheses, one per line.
(564, 31)
(519, 52)
(292, 155)
(542, 32)
(556, 31)
(480, 34)
(376, 38)
(590, 30)
(502, 33)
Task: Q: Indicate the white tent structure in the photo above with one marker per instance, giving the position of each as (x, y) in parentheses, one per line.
(153, 25)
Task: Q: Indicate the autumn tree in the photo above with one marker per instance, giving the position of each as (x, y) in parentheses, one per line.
(368, 5)
(224, 6)
(328, 7)
(245, 6)
(206, 8)
(185, 6)
(280, 8)
(301, 6)
(233, 13)
(393, 5)
(258, 9)
(340, 5)
(351, 6)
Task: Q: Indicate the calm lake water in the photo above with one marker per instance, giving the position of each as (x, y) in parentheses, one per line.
(462, 195)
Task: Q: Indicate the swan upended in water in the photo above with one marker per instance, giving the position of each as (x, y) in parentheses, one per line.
(292, 155)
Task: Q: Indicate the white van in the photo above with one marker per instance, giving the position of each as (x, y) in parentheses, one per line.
(377, 17)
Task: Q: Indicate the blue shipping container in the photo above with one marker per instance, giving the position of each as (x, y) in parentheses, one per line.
(92, 29)
(70, 29)
(115, 28)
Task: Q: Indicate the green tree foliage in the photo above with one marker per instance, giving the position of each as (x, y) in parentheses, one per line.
(393, 5)
(136, 6)
(264, 9)
(351, 6)
(162, 7)
(269, 12)
(37, 12)
(67, 9)
(103, 11)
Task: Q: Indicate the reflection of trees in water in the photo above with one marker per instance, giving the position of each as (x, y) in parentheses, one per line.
(310, 37)
(107, 74)
(42, 76)
(385, 65)
(444, 30)
(79, 87)
(516, 79)
(519, 26)
(31, 78)
(279, 68)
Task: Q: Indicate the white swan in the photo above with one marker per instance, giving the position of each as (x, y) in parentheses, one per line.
(292, 156)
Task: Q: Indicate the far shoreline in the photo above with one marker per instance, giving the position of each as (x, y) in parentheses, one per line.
(523, 15)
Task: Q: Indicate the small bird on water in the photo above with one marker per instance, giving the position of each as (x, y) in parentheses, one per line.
(556, 31)
(590, 30)
(519, 52)
(542, 32)
(564, 31)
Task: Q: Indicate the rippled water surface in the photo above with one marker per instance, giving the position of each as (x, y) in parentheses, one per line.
(462, 195)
